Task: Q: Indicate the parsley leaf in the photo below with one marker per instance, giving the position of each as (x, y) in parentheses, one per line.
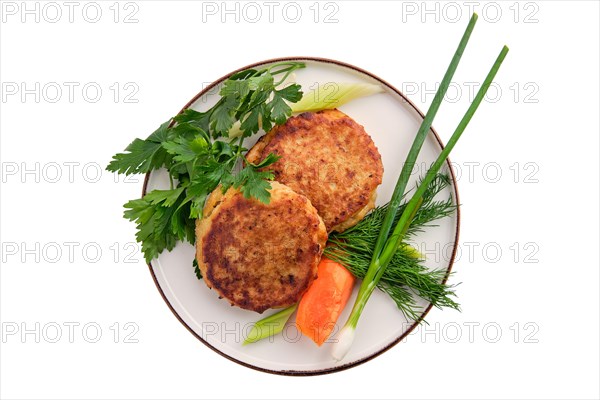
(222, 117)
(268, 160)
(186, 150)
(197, 269)
(279, 109)
(292, 93)
(254, 183)
(142, 155)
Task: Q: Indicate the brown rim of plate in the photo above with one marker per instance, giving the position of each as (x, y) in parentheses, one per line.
(451, 262)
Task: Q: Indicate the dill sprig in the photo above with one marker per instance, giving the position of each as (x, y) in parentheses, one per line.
(406, 275)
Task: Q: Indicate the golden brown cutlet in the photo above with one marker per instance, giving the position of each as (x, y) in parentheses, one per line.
(330, 159)
(259, 256)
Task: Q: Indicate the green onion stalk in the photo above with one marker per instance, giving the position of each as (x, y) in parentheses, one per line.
(384, 253)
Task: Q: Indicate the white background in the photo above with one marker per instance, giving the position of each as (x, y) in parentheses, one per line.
(546, 114)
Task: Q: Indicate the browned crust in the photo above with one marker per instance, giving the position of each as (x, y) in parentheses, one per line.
(330, 159)
(259, 256)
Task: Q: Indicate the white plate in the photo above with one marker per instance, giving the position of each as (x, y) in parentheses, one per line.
(392, 121)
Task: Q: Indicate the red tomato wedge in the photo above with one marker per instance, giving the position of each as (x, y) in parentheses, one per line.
(324, 301)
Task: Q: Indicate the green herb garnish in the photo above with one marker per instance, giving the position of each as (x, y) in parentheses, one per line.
(198, 154)
(406, 275)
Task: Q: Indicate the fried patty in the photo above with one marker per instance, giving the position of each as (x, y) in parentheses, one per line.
(330, 159)
(259, 256)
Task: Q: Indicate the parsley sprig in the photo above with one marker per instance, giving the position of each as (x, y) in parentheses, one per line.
(199, 153)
